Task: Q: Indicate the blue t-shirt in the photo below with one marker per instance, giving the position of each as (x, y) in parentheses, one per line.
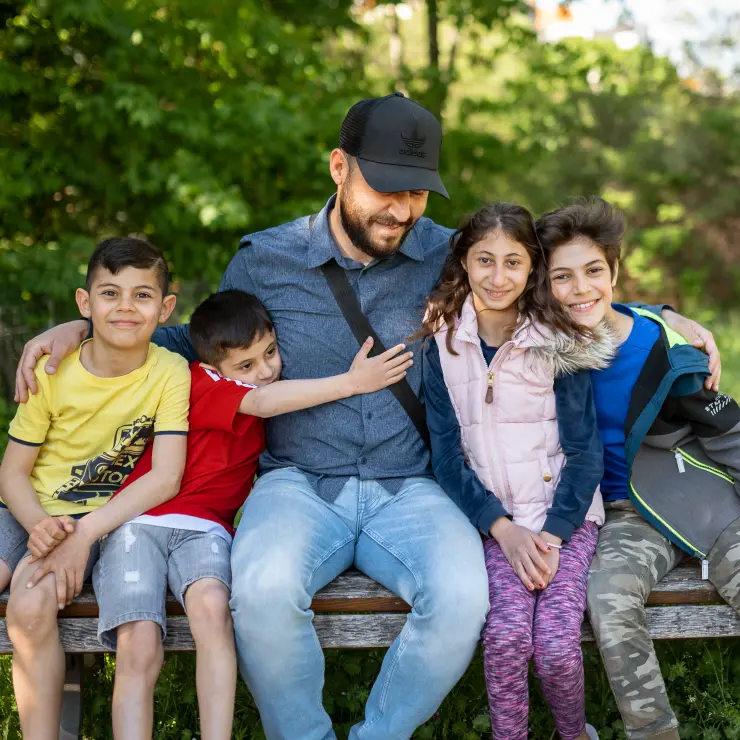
(488, 352)
(612, 392)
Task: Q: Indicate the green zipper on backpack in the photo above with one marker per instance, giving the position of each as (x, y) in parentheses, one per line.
(665, 523)
(682, 455)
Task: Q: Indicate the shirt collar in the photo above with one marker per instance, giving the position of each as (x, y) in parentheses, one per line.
(322, 246)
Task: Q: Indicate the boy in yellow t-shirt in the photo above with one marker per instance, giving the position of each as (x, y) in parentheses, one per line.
(72, 445)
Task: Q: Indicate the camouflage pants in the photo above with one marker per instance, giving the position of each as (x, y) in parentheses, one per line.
(631, 557)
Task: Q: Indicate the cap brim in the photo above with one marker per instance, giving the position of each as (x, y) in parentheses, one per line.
(395, 178)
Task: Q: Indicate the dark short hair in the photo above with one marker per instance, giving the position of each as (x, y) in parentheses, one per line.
(593, 219)
(127, 251)
(231, 319)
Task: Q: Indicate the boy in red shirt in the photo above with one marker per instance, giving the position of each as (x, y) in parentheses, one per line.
(185, 543)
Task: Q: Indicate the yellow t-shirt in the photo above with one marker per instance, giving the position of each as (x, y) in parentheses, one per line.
(92, 430)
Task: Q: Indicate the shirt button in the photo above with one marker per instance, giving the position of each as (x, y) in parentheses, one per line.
(369, 415)
(547, 477)
(363, 460)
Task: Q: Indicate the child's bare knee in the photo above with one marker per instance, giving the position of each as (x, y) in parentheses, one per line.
(139, 648)
(32, 613)
(208, 610)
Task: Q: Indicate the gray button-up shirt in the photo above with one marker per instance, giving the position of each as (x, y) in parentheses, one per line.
(368, 436)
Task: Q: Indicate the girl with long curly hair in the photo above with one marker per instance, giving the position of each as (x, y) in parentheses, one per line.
(515, 444)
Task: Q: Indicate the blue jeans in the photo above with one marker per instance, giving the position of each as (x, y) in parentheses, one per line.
(290, 543)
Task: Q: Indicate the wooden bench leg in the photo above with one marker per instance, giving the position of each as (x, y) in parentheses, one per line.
(71, 723)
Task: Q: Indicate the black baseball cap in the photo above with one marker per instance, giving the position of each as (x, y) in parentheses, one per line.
(396, 143)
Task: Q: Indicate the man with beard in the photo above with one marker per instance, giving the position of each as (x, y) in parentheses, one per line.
(349, 482)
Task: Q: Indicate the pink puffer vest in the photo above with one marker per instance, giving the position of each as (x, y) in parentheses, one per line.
(513, 444)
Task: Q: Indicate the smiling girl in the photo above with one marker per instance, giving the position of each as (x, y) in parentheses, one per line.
(515, 444)
(671, 462)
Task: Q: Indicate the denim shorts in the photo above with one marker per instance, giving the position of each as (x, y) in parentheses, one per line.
(14, 538)
(138, 562)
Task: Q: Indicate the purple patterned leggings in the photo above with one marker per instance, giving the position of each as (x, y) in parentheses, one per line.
(545, 625)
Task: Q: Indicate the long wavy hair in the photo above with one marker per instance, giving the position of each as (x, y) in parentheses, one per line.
(536, 303)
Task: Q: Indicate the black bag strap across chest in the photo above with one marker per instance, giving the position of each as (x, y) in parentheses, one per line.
(350, 307)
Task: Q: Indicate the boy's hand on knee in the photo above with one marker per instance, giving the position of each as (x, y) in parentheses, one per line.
(523, 549)
(47, 534)
(67, 562)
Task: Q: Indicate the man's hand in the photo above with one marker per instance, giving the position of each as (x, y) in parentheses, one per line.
(67, 562)
(522, 547)
(552, 557)
(47, 534)
(59, 341)
(370, 374)
(700, 338)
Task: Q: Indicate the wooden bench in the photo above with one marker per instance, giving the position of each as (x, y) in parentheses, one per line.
(355, 612)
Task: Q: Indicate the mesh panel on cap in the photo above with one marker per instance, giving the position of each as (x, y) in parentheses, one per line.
(353, 126)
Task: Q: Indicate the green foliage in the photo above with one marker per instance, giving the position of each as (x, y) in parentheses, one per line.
(702, 678)
(9, 727)
(188, 122)
(537, 123)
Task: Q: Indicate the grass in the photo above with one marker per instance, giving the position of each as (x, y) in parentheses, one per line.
(703, 679)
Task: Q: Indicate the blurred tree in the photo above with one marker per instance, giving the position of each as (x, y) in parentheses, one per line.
(186, 121)
(189, 122)
(430, 81)
(539, 122)
(583, 117)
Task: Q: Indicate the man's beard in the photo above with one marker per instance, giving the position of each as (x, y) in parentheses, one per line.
(358, 228)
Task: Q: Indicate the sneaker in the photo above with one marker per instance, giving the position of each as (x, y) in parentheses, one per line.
(591, 732)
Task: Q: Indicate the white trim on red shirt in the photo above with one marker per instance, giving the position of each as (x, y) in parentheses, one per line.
(184, 521)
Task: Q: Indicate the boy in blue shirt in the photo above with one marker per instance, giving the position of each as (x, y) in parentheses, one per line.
(671, 460)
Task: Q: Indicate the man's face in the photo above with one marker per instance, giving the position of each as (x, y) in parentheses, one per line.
(377, 223)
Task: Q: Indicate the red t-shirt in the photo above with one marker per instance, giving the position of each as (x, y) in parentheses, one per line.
(223, 450)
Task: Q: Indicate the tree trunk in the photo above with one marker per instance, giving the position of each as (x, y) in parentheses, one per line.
(396, 52)
(434, 99)
(433, 33)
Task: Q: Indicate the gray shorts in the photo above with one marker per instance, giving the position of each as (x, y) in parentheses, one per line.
(13, 541)
(138, 562)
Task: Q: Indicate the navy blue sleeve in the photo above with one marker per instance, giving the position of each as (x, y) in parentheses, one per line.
(584, 454)
(175, 339)
(450, 467)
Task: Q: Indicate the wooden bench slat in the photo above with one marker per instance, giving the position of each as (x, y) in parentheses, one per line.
(379, 630)
(355, 592)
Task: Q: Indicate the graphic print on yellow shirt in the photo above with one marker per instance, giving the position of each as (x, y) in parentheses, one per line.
(92, 430)
(104, 474)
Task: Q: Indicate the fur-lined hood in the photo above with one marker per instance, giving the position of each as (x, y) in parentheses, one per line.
(566, 355)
